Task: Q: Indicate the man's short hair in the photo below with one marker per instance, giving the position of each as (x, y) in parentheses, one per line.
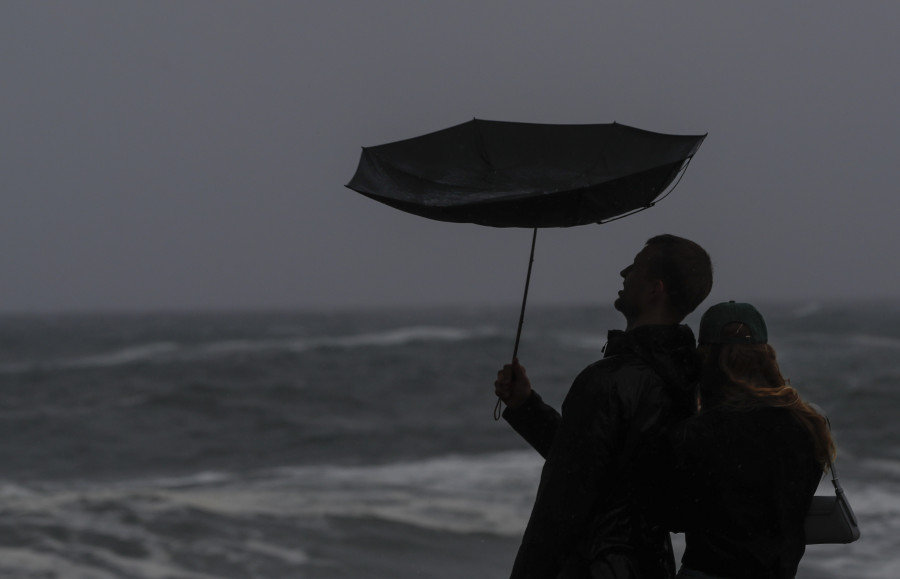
(684, 268)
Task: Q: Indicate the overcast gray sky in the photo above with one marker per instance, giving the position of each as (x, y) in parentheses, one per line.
(193, 154)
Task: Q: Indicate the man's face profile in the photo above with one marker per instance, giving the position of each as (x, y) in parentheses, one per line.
(635, 282)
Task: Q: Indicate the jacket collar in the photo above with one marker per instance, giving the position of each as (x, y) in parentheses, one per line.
(648, 339)
(670, 351)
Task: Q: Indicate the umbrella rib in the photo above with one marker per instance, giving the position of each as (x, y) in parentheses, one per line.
(681, 173)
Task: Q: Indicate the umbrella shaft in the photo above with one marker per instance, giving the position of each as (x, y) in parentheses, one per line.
(521, 316)
(525, 295)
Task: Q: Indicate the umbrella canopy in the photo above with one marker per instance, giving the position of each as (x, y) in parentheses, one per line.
(506, 174)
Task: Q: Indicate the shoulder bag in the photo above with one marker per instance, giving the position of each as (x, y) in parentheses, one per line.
(830, 519)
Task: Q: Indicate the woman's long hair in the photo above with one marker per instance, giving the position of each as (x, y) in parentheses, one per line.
(747, 376)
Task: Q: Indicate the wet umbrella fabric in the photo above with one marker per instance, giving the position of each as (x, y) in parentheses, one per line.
(505, 174)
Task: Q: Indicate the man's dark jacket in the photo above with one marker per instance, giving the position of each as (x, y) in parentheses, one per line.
(586, 521)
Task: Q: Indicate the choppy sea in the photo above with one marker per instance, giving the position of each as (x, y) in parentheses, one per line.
(352, 443)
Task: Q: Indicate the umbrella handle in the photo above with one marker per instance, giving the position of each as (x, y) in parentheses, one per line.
(521, 316)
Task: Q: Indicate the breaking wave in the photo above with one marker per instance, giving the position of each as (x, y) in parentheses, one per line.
(171, 352)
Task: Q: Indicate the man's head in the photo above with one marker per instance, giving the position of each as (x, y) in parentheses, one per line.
(668, 279)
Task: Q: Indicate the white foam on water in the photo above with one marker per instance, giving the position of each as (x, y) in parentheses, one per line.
(21, 562)
(68, 540)
(123, 356)
(132, 530)
(586, 341)
(406, 335)
(489, 493)
(293, 556)
(168, 352)
(12, 490)
(465, 494)
(150, 352)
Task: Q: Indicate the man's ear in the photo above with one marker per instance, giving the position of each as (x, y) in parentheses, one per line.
(658, 288)
(658, 296)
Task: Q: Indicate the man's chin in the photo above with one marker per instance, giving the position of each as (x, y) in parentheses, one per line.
(623, 307)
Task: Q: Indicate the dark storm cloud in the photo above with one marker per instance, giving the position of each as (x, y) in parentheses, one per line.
(193, 154)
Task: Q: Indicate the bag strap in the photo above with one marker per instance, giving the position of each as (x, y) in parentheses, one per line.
(834, 477)
(838, 490)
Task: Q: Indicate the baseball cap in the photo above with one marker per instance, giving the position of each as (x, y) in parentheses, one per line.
(720, 315)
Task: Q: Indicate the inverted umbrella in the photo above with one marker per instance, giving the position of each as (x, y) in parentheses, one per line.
(506, 174)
